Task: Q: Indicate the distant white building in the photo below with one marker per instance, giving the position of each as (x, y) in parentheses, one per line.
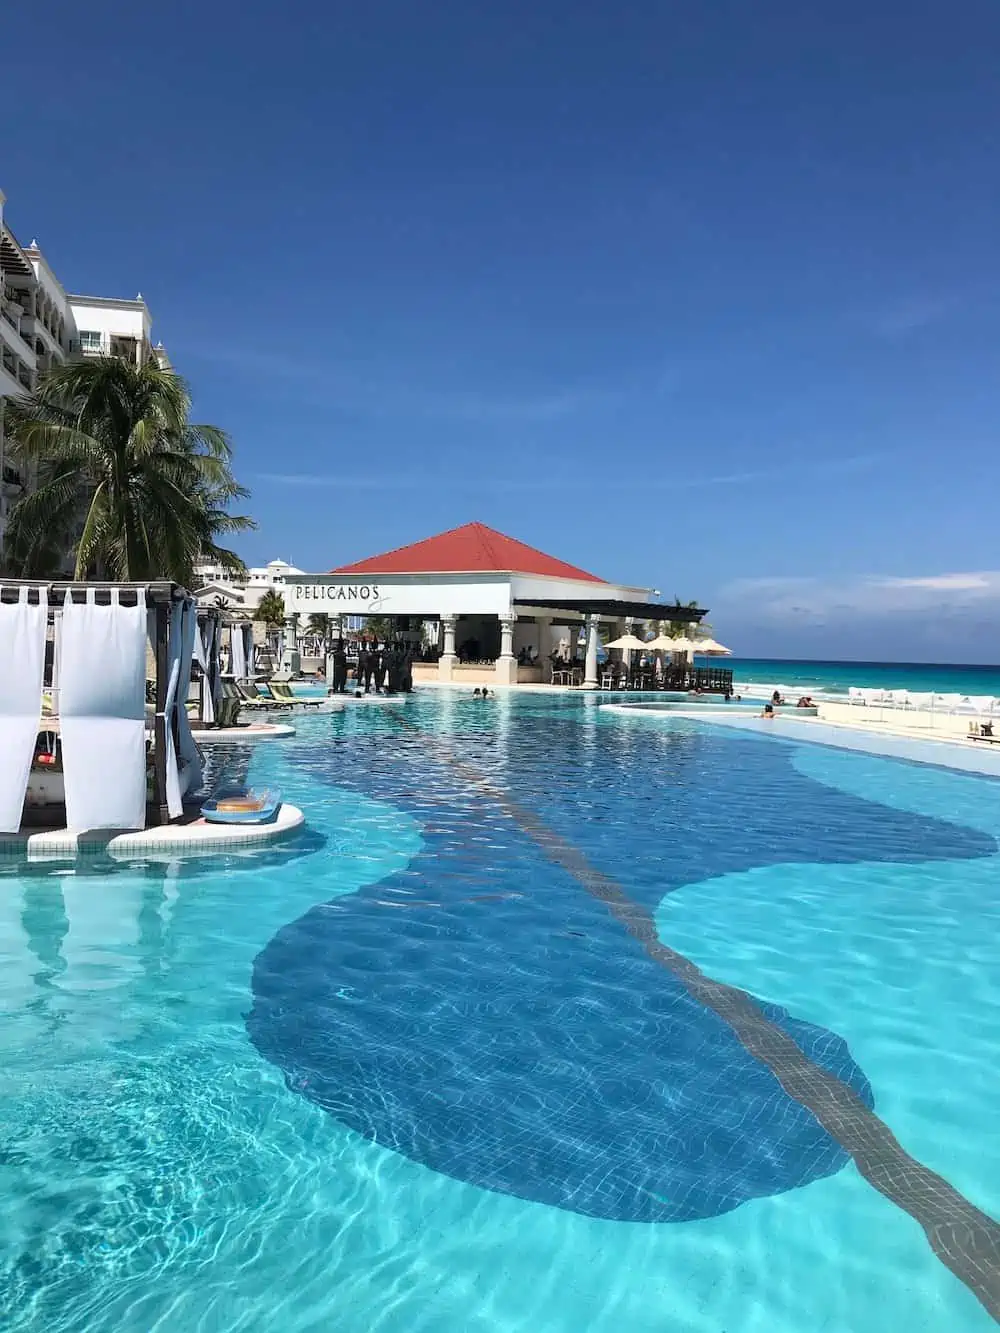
(216, 588)
(41, 325)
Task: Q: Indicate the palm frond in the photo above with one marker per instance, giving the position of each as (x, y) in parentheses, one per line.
(119, 462)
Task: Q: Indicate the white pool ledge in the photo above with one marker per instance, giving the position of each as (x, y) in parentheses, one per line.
(192, 837)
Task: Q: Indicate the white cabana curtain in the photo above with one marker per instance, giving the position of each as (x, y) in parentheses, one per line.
(237, 652)
(184, 767)
(22, 668)
(206, 652)
(102, 712)
(214, 664)
(249, 651)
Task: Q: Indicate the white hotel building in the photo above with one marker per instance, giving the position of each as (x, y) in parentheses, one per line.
(41, 325)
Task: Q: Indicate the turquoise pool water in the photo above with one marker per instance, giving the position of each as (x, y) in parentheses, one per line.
(310, 689)
(428, 1066)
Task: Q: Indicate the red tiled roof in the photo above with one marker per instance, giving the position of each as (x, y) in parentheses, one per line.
(471, 549)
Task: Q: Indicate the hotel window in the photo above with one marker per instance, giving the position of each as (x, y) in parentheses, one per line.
(90, 340)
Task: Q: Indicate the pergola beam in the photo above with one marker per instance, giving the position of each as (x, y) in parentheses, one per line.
(609, 608)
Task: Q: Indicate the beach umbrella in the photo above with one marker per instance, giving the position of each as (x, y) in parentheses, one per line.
(682, 645)
(710, 648)
(628, 643)
(661, 644)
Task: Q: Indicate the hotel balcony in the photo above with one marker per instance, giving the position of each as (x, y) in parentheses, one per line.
(16, 376)
(10, 309)
(13, 309)
(110, 344)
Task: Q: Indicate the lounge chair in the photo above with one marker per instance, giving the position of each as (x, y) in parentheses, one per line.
(228, 710)
(282, 692)
(982, 731)
(252, 696)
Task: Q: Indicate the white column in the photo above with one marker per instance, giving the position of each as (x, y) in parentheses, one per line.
(507, 635)
(448, 657)
(291, 663)
(448, 625)
(544, 631)
(590, 681)
(506, 666)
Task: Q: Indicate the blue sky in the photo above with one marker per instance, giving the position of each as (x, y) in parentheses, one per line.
(699, 296)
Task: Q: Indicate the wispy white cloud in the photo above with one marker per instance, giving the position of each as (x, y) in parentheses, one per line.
(912, 314)
(351, 388)
(475, 407)
(802, 600)
(943, 582)
(389, 481)
(460, 477)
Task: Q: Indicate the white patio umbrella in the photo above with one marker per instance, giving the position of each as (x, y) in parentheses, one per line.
(712, 648)
(661, 644)
(629, 643)
(681, 645)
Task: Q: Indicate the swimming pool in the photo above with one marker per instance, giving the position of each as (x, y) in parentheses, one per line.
(474, 1053)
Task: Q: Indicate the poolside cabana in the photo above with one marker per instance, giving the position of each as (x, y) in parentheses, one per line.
(496, 608)
(104, 670)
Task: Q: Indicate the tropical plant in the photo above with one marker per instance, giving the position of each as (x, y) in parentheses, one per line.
(123, 478)
(319, 624)
(271, 610)
(379, 626)
(681, 629)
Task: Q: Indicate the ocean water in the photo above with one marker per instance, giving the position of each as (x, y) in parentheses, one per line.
(433, 1067)
(838, 677)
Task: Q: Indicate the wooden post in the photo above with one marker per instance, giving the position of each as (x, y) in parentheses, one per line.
(160, 723)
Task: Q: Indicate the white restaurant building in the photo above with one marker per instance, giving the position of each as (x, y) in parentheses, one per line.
(491, 597)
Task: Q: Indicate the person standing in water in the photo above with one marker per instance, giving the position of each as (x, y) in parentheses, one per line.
(339, 668)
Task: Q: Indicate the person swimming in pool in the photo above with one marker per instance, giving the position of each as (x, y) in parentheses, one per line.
(768, 712)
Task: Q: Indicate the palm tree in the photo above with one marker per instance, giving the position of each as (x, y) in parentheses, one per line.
(681, 629)
(122, 476)
(271, 610)
(319, 624)
(379, 626)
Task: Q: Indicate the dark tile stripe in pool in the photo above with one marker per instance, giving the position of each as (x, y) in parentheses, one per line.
(530, 1044)
(524, 1043)
(965, 1238)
